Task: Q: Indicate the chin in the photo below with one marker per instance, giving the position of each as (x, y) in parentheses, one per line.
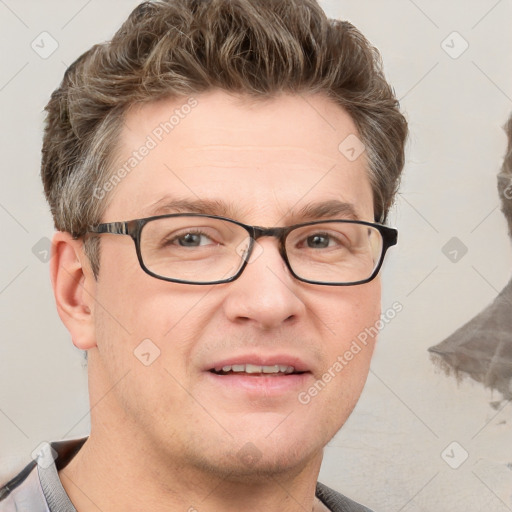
(258, 460)
(257, 467)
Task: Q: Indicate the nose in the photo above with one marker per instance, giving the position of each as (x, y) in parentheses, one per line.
(266, 294)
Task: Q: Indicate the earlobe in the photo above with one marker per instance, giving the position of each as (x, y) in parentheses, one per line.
(74, 288)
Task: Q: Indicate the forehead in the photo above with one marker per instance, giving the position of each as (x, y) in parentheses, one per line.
(254, 158)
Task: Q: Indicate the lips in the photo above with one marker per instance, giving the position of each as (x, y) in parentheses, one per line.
(258, 365)
(253, 369)
(270, 378)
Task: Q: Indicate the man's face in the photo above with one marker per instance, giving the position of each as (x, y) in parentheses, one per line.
(261, 162)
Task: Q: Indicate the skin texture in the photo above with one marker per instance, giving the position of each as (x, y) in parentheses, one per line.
(169, 436)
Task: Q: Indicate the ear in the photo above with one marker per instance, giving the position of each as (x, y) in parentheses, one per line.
(74, 287)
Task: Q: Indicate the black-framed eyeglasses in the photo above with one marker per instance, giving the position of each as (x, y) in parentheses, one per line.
(203, 249)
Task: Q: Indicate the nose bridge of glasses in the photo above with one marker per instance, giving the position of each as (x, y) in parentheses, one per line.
(259, 232)
(276, 232)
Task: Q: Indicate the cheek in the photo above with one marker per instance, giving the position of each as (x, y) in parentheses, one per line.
(139, 314)
(347, 317)
(130, 301)
(349, 342)
(144, 344)
(351, 311)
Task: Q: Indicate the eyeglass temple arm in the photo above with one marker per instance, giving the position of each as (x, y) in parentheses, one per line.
(114, 228)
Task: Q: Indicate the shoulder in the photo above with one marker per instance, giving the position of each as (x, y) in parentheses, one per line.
(336, 502)
(39, 482)
(22, 492)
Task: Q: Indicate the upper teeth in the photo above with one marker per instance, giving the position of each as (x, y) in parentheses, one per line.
(252, 368)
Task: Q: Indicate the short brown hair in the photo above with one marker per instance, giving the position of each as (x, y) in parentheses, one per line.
(175, 48)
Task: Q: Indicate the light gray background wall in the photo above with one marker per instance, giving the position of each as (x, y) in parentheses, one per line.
(390, 453)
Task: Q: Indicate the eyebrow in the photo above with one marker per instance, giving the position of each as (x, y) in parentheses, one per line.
(328, 209)
(202, 206)
(314, 211)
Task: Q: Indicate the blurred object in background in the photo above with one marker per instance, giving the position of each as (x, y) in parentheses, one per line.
(482, 348)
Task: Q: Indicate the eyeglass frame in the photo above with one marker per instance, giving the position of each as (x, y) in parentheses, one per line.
(133, 228)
